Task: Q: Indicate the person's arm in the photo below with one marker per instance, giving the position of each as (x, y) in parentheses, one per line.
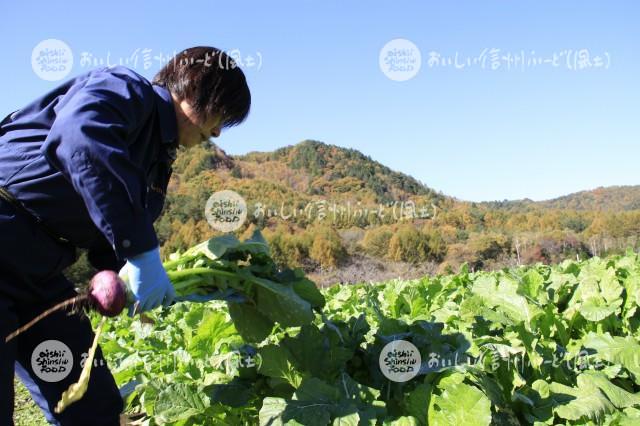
(89, 143)
(101, 256)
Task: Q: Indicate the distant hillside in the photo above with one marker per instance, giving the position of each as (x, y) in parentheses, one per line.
(317, 168)
(612, 198)
(601, 199)
(312, 170)
(292, 179)
(286, 189)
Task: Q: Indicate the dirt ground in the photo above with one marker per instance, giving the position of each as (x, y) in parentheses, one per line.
(367, 269)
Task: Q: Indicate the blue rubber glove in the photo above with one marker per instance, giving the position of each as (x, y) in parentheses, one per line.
(148, 281)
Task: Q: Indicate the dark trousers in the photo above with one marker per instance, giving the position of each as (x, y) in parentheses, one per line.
(31, 280)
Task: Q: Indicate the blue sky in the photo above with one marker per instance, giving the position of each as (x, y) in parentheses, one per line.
(475, 133)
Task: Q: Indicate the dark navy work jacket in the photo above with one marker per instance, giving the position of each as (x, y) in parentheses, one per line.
(92, 159)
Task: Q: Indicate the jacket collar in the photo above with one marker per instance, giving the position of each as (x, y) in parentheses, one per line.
(167, 115)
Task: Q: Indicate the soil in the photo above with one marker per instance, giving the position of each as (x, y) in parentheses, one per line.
(362, 268)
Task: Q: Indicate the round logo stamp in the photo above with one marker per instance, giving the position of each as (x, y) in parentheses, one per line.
(52, 59)
(400, 361)
(400, 59)
(226, 210)
(52, 361)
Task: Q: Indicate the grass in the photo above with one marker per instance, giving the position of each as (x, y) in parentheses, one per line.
(25, 411)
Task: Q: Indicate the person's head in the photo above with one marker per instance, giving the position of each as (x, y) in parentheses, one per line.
(209, 93)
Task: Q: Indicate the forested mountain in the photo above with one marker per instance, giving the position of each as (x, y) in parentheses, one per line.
(344, 217)
(329, 169)
(612, 198)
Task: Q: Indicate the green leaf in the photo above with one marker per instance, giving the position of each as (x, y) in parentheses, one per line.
(179, 401)
(599, 293)
(278, 411)
(314, 352)
(629, 417)
(231, 394)
(596, 309)
(402, 421)
(417, 402)
(618, 396)
(314, 389)
(610, 287)
(275, 362)
(585, 401)
(252, 325)
(258, 238)
(351, 419)
(280, 303)
(350, 389)
(308, 290)
(325, 371)
(503, 296)
(532, 283)
(459, 404)
(615, 349)
(214, 331)
(214, 248)
(150, 393)
(632, 286)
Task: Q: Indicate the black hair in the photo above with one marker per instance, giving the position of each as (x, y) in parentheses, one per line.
(211, 81)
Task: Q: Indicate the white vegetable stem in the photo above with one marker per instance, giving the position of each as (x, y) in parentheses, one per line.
(77, 390)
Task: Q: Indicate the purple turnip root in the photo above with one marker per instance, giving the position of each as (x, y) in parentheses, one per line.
(108, 293)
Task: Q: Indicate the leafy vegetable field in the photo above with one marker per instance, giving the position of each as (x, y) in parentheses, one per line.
(532, 345)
